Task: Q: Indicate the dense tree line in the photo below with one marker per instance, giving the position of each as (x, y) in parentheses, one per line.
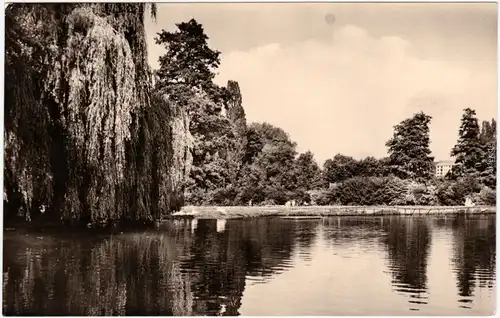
(92, 134)
(235, 163)
(406, 177)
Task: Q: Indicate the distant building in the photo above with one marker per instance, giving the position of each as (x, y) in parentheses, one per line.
(443, 167)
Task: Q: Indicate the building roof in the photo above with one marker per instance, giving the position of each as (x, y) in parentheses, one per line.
(445, 162)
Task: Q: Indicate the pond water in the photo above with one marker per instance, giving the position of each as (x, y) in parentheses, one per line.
(263, 266)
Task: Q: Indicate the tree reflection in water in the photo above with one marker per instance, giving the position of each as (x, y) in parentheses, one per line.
(127, 274)
(408, 242)
(221, 261)
(187, 269)
(167, 272)
(474, 255)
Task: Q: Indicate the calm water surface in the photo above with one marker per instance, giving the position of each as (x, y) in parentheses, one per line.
(271, 266)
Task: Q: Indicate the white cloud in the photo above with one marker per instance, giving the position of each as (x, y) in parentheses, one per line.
(345, 95)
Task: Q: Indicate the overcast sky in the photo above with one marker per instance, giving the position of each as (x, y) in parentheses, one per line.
(341, 87)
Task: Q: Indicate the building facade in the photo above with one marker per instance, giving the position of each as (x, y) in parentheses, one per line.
(443, 167)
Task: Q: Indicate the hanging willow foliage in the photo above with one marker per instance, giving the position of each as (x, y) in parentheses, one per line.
(81, 81)
(182, 146)
(28, 178)
(99, 72)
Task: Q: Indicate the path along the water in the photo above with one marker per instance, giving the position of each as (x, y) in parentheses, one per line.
(216, 212)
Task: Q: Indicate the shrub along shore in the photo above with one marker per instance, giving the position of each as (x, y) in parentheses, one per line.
(230, 212)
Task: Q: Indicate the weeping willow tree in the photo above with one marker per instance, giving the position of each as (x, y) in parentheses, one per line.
(182, 146)
(84, 137)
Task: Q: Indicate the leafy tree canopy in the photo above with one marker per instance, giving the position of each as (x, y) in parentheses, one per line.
(408, 149)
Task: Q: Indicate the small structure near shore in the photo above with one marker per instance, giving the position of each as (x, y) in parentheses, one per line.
(468, 202)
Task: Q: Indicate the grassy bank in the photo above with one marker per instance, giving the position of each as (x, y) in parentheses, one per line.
(227, 212)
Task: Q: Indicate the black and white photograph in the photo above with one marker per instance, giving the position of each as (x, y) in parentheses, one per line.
(249, 158)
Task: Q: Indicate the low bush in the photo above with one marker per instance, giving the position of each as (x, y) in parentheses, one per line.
(395, 191)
